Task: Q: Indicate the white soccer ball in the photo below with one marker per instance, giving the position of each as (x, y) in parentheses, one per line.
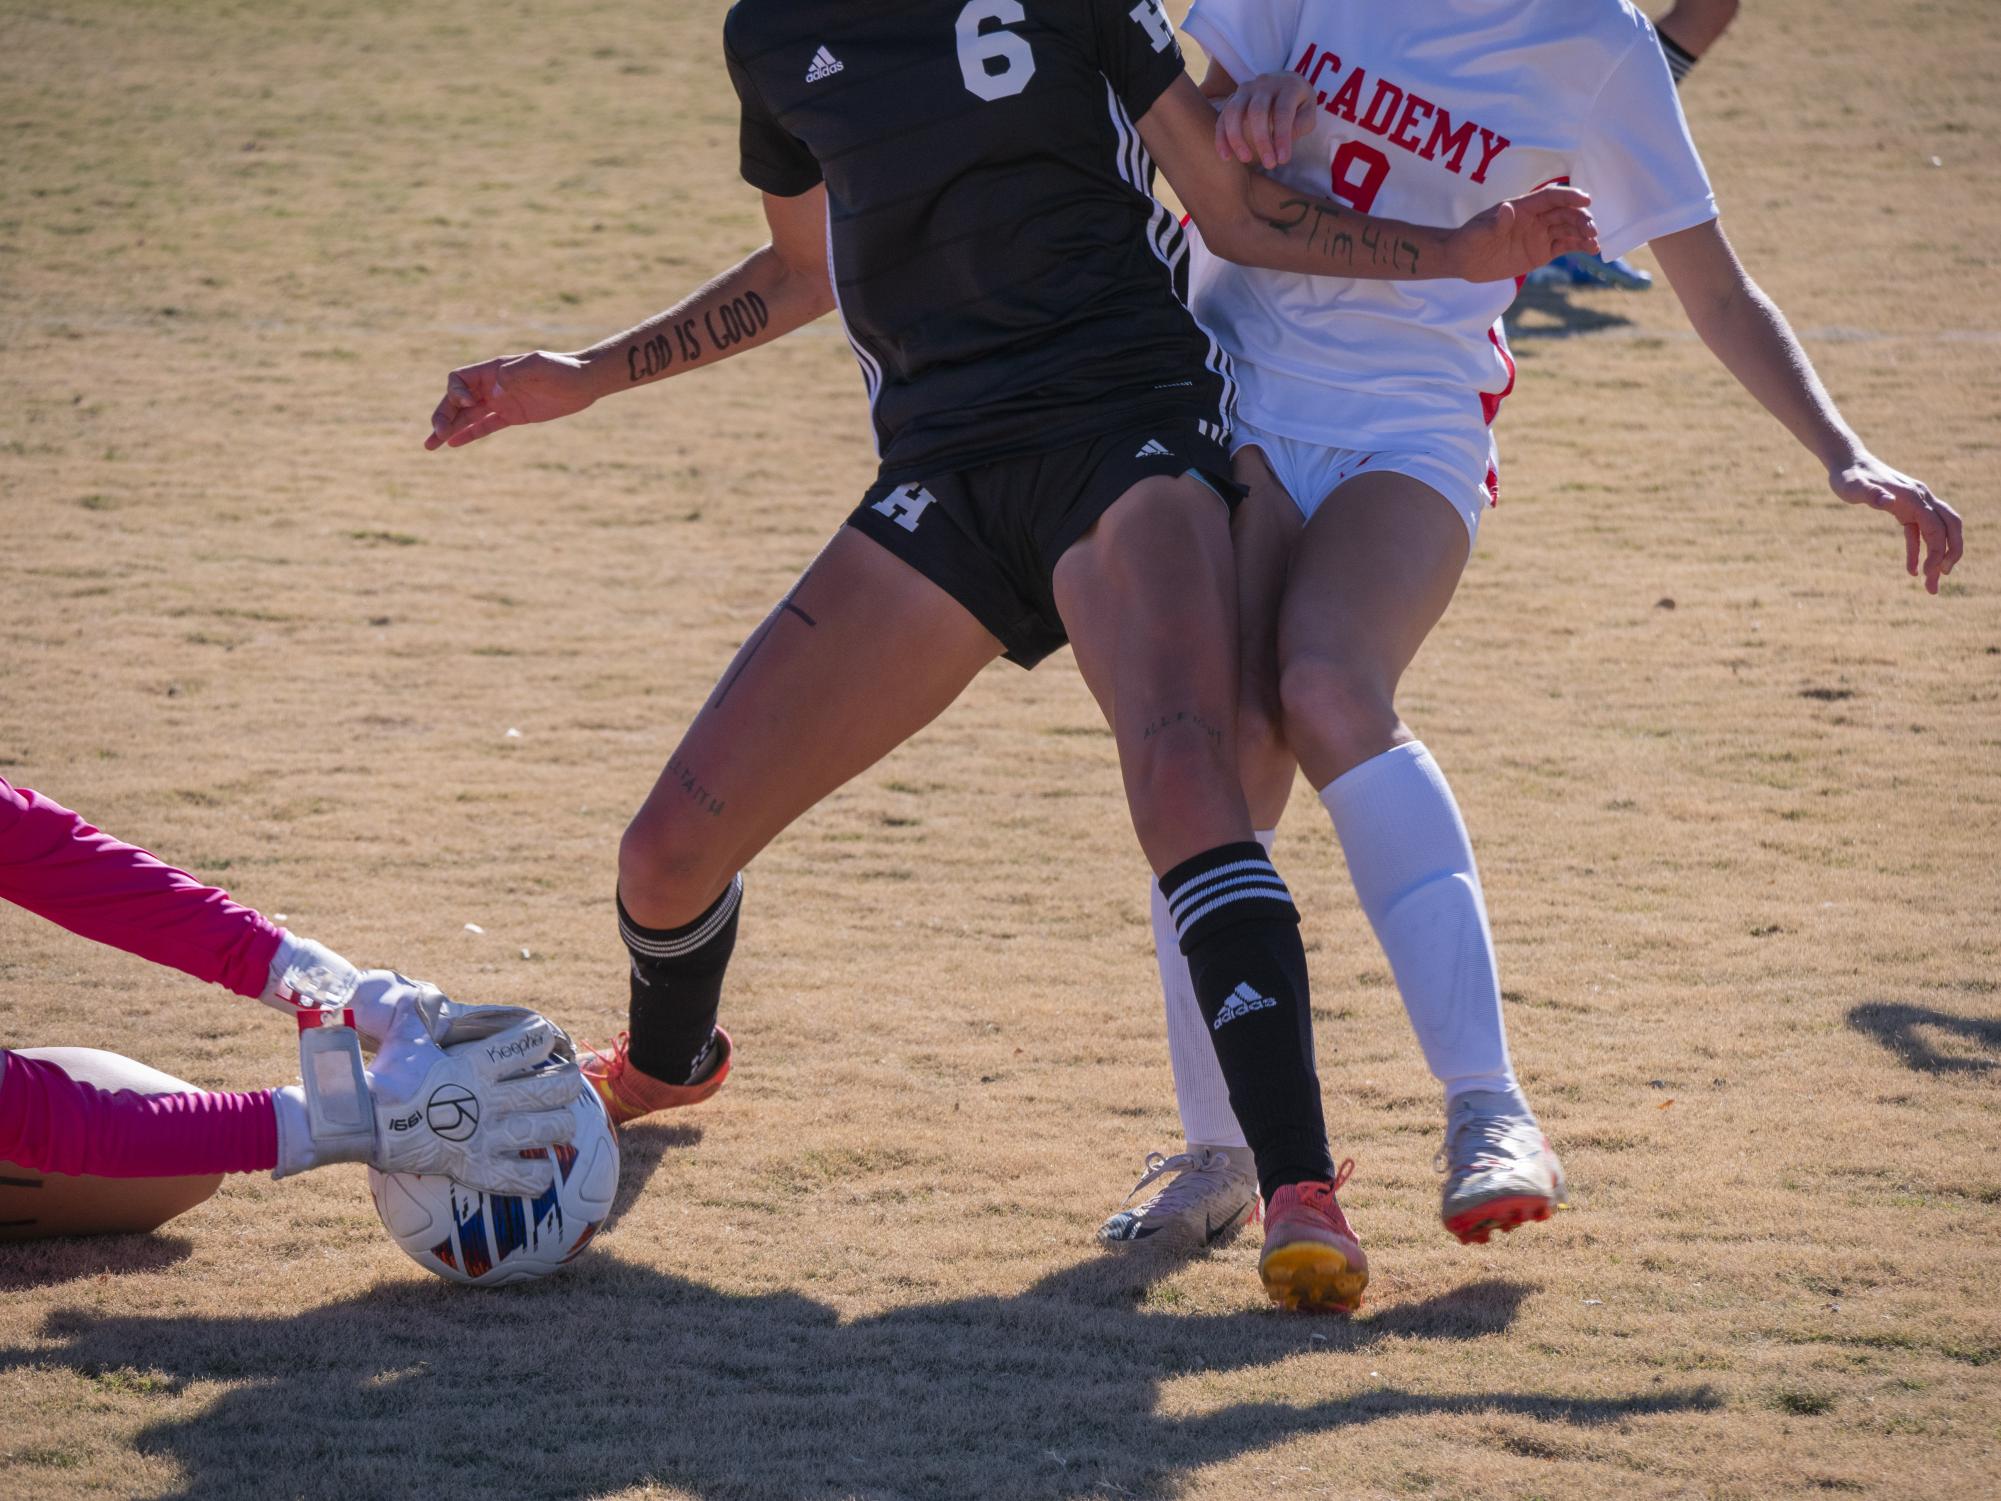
(490, 1240)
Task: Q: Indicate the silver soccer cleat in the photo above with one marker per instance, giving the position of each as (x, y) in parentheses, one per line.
(1499, 1169)
(1214, 1190)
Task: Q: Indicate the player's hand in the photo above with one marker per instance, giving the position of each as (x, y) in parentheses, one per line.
(1517, 235)
(1261, 120)
(374, 1002)
(471, 1109)
(447, 1022)
(1931, 527)
(484, 398)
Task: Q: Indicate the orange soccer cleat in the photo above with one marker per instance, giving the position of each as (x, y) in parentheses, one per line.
(1312, 1261)
(629, 1094)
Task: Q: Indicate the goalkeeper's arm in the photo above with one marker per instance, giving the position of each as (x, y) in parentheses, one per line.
(770, 292)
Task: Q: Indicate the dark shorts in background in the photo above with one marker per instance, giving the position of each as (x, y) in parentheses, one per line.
(990, 536)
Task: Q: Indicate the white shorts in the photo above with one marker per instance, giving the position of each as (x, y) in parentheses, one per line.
(1310, 472)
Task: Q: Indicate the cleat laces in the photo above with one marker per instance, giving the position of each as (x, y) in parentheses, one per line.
(1158, 1165)
(1489, 1146)
(613, 1063)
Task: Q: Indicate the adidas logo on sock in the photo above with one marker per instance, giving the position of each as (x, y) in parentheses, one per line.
(825, 65)
(1242, 1002)
(1154, 449)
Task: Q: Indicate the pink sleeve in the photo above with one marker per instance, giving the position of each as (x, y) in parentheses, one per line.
(56, 865)
(51, 1123)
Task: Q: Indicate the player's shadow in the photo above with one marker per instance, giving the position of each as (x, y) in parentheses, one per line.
(1901, 1028)
(617, 1376)
(27, 1264)
(1554, 313)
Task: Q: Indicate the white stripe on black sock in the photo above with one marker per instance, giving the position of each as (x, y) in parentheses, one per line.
(685, 942)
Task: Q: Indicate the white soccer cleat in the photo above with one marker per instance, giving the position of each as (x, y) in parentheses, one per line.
(1499, 1169)
(1213, 1191)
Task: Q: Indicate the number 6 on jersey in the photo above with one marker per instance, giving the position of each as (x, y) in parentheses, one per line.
(996, 64)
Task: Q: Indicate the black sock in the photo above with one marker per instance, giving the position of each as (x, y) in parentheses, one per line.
(1679, 58)
(677, 982)
(1240, 932)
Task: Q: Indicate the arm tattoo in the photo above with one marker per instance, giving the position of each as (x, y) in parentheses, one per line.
(1325, 231)
(687, 339)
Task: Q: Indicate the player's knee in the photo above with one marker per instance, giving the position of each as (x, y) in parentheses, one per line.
(1337, 713)
(667, 862)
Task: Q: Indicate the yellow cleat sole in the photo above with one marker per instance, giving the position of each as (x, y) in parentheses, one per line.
(1312, 1278)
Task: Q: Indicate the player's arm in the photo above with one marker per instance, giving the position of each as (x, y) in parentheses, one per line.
(519, 1075)
(1746, 331)
(59, 867)
(772, 291)
(1249, 218)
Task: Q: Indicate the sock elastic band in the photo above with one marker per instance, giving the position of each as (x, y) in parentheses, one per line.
(1679, 58)
(1224, 886)
(673, 943)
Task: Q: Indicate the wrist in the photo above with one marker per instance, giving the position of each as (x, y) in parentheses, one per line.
(299, 1151)
(1451, 255)
(305, 975)
(329, 1116)
(599, 371)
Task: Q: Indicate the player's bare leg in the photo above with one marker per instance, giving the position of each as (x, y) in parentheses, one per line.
(864, 652)
(1149, 600)
(1374, 572)
(1264, 531)
(1209, 1189)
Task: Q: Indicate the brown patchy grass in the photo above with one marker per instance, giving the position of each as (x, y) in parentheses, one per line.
(1741, 853)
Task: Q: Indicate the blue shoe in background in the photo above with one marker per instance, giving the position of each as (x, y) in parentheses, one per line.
(1590, 270)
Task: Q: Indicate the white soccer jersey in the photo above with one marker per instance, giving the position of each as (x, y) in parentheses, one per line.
(1430, 111)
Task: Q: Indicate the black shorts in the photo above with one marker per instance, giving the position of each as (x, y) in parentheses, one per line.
(990, 536)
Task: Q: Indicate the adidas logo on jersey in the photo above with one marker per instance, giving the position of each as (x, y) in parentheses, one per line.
(825, 65)
(1242, 1002)
(1155, 449)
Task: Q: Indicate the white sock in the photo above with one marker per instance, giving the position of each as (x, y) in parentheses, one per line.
(1413, 869)
(1206, 1117)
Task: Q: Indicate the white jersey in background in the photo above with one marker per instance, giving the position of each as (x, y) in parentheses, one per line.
(1431, 111)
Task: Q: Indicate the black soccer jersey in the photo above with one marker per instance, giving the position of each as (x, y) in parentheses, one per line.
(1007, 278)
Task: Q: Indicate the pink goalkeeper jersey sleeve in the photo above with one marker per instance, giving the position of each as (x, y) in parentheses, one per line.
(58, 866)
(51, 1123)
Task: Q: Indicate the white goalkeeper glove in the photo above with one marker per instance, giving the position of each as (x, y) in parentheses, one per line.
(467, 1111)
(308, 976)
(378, 991)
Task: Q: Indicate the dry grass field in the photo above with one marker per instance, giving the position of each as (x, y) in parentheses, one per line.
(1735, 780)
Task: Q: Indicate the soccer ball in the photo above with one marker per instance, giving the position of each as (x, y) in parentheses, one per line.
(490, 1240)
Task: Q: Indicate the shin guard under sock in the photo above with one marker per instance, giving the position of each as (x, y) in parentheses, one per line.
(677, 983)
(1240, 931)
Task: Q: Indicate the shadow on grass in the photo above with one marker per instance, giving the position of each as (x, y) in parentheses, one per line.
(617, 1376)
(641, 1146)
(1553, 313)
(27, 1264)
(1896, 1026)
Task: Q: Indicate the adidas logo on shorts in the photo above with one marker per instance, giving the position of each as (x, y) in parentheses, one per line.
(1242, 1002)
(825, 65)
(1154, 449)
